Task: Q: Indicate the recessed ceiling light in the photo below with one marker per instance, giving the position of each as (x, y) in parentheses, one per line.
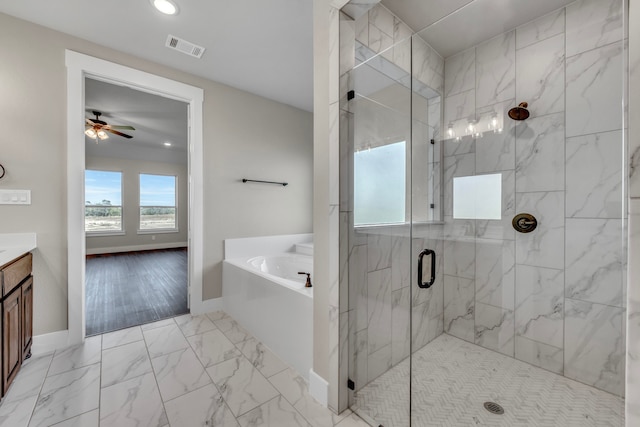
(167, 144)
(167, 7)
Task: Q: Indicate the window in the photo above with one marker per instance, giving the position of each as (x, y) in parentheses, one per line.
(103, 202)
(158, 202)
(380, 185)
(477, 197)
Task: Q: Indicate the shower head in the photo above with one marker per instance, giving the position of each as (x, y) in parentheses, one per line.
(520, 112)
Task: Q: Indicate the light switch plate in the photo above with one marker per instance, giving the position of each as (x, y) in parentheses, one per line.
(15, 197)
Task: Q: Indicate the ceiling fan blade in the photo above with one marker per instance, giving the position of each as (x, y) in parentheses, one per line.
(122, 127)
(90, 122)
(119, 133)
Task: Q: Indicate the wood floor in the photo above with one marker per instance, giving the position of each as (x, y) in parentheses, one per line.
(130, 289)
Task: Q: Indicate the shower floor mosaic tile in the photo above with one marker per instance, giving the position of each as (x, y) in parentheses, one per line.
(453, 378)
(179, 372)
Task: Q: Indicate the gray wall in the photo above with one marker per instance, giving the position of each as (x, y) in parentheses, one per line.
(243, 135)
(131, 169)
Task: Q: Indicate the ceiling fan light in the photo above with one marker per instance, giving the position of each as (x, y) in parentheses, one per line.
(102, 135)
(91, 133)
(167, 144)
(165, 6)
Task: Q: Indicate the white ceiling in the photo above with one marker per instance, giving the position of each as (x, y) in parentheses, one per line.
(156, 120)
(263, 47)
(455, 25)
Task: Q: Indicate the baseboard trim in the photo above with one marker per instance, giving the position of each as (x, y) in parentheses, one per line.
(150, 247)
(318, 388)
(46, 343)
(208, 305)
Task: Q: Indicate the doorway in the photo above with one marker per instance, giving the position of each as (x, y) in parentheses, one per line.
(136, 207)
(79, 67)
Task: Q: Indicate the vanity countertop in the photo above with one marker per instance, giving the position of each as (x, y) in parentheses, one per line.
(14, 245)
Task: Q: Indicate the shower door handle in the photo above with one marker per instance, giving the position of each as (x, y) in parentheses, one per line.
(421, 284)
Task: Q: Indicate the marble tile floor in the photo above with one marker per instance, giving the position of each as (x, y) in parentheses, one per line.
(179, 372)
(453, 378)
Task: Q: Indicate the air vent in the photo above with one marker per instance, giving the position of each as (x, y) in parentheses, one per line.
(184, 46)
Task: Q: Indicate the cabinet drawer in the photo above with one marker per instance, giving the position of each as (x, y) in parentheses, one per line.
(15, 273)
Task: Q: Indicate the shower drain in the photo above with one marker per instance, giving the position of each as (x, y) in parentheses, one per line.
(494, 408)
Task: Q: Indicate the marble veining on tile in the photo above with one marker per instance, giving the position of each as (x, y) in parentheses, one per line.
(88, 419)
(192, 325)
(30, 378)
(124, 362)
(121, 337)
(540, 77)
(594, 192)
(85, 354)
(540, 29)
(400, 338)
(132, 395)
(539, 313)
(540, 154)
(379, 306)
(594, 260)
(594, 90)
(496, 273)
(178, 373)
(203, 406)
(539, 354)
(594, 346)
(133, 402)
(164, 340)
(593, 23)
(460, 72)
(232, 330)
(17, 413)
(495, 328)
(66, 395)
(261, 357)
(213, 347)
(276, 412)
(459, 307)
(496, 70)
(241, 385)
(496, 150)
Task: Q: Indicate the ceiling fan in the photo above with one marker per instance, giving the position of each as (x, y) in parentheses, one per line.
(97, 129)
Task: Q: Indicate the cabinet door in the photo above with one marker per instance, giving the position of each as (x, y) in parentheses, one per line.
(11, 337)
(27, 317)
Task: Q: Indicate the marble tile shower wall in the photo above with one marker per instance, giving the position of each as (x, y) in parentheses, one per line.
(554, 298)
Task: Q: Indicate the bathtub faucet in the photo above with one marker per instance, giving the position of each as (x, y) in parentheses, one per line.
(308, 284)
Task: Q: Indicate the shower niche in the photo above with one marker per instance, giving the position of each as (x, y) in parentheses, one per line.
(440, 150)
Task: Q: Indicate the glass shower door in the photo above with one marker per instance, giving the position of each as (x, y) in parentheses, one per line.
(380, 244)
(523, 306)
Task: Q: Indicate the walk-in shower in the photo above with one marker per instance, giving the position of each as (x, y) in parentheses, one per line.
(485, 254)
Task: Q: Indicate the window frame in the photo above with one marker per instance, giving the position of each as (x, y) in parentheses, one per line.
(175, 229)
(104, 233)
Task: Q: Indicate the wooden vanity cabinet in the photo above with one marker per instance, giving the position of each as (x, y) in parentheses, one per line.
(17, 317)
(27, 317)
(11, 337)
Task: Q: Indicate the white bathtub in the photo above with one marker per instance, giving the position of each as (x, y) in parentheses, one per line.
(266, 296)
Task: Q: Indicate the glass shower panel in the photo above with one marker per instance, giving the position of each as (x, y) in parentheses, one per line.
(524, 211)
(380, 238)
